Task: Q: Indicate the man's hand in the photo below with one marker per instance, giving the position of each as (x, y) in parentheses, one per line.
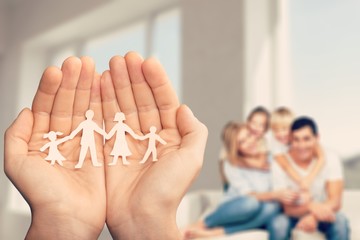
(65, 203)
(142, 199)
(322, 212)
(308, 223)
(304, 197)
(287, 196)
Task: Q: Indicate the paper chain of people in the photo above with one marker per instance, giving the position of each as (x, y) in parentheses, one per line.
(88, 128)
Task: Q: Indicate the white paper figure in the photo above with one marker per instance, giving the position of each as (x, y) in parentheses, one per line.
(121, 147)
(54, 153)
(88, 128)
(153, 137)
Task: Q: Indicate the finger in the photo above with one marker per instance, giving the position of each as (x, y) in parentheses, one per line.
(322, 215)
(165, 96)
(17, 137)
(62, 111)
(95, 100)
(330, 217)
(44, 99)
(145, 102)
(123, 91)
(83, 91)
(194, 136)
(95, 105)
(109, 102)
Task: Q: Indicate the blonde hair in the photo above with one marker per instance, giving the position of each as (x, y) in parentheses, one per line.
(229, 135)
(281, 116)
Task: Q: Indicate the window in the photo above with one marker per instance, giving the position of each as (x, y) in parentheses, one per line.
(118, 42)
(326, 87)
(158, 35)
(167, 45)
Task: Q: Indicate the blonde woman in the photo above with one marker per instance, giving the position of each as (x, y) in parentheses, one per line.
(249, 202)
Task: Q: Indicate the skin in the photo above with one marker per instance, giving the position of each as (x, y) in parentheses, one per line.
(135, 201)
(248, 145)
(59, 196)
(282, 133)
(257, 124)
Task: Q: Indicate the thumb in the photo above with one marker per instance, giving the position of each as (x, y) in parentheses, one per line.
(17, 137)
(194, 135)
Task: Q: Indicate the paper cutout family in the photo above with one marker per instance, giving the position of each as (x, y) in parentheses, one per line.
(88, 128)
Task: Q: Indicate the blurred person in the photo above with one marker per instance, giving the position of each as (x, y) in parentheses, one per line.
(228, 130)
(321, 210)
(258, 122)
(227, 141)
(249, 202)
(280, 124)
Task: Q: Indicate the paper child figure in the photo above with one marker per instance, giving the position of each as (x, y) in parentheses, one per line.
(88, 127)
(121, 147)
(54, 153)
(153, 137)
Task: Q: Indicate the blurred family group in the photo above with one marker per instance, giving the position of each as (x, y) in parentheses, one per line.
(279, 182)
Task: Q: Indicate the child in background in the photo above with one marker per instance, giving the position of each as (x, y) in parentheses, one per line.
(258, 122)
(281, 120)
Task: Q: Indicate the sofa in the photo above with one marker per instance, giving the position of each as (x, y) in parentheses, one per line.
(197, 203)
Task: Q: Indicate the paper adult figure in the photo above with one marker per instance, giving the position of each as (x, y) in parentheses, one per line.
(88, 128)
(120, 147)
(153, 137)
(54, 153)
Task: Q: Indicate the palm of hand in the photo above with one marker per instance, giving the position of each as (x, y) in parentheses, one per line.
(142, 91)
(134, 186)
(90, 194)
(83, 186)
(55, 189)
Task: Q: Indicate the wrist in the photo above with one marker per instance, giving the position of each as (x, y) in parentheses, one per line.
(52, 224)
(146, 225)
(313, 206)
(277, 196)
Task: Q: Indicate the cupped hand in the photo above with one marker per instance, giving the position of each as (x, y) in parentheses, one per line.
(65, 202)
(142, 199)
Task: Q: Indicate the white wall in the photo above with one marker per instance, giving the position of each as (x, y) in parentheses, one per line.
(213, 73)
(268, 79)
(3, 25)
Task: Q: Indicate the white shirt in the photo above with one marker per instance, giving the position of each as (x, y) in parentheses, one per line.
(277, 147)
(331, 171)
(243, 181)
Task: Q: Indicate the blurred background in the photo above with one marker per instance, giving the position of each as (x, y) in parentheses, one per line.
(224, 58)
